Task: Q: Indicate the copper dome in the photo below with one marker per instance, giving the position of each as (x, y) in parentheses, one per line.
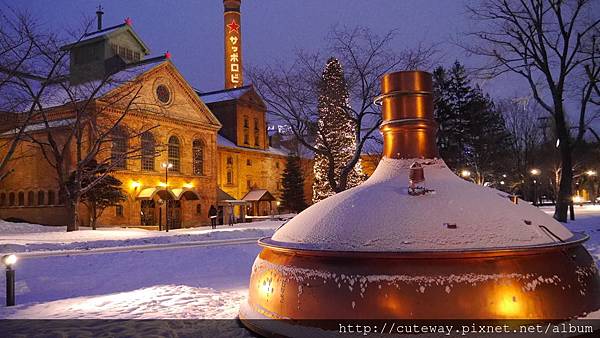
(442, 248)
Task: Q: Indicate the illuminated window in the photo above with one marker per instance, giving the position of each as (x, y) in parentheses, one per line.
(119, 148)
(173, 153)
(148, 151)
(229, 176)
(198, 160)
(229, 170)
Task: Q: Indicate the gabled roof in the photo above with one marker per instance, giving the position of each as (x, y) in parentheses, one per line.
(258, 195)
(224, 95)
(222, 141)
(107, 33)
(56, 95)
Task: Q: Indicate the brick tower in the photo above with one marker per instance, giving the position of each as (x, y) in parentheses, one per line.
(233, 44)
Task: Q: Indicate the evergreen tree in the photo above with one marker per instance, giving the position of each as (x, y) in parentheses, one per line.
(472, 132)
(107, 192)
(293, 185)
(336, 138)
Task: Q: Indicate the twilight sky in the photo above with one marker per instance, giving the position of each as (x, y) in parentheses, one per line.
(192, 30)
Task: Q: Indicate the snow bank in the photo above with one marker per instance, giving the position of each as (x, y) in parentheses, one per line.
(380, 215)
(24, 237)
(148, 303)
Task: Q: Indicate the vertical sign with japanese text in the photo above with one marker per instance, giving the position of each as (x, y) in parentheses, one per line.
(233, 44)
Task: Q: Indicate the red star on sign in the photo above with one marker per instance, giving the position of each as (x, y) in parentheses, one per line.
(233, 27)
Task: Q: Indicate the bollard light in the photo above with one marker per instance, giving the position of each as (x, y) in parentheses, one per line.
(9, 261)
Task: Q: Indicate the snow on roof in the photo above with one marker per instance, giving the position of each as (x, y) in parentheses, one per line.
(61, 94)
(380, 215)
(98, 35)
(258, 195)
(42, 126)
(223, 95)
(222, 141)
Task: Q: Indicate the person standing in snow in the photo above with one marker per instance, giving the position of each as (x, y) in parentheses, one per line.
(212, 214)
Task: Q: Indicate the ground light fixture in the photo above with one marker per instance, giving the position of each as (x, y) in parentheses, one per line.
(9, 261)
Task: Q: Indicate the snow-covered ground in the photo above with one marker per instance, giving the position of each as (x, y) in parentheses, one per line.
(181, 283)
(587, 220)
(21, 237)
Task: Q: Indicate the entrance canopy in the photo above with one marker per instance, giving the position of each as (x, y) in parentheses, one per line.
(224, 198)
(259, 195)
(188, 193)
(149, 193)
(167, 194)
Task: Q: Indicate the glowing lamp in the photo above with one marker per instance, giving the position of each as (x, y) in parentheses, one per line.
(535, 172)
(591, 173)
(166, 165)
(465, 173)
(135, 184)
(188, 185)
(9, 260)
(162, 184)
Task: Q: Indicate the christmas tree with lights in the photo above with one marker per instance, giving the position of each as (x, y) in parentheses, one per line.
(336, 140)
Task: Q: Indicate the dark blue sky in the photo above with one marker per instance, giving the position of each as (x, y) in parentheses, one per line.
(192, 30)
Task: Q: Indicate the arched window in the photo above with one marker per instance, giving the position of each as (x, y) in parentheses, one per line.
(21, 198)
(119, 148)
(41, 198)
(229, 170)
(30, 198)
(229, 176)
(173, 152)
(51, 197)
(11, 199)
(198, 153)
(2, 199)
(148, 151)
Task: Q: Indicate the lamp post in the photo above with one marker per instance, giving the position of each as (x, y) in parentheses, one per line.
(9, 261)
(590, 174)
(535, 172)
(167, 166)
(465, 173)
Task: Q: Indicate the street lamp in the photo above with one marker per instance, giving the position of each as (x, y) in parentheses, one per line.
(535, 172)
(465, 173)
(167, 166)
(9, 261)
